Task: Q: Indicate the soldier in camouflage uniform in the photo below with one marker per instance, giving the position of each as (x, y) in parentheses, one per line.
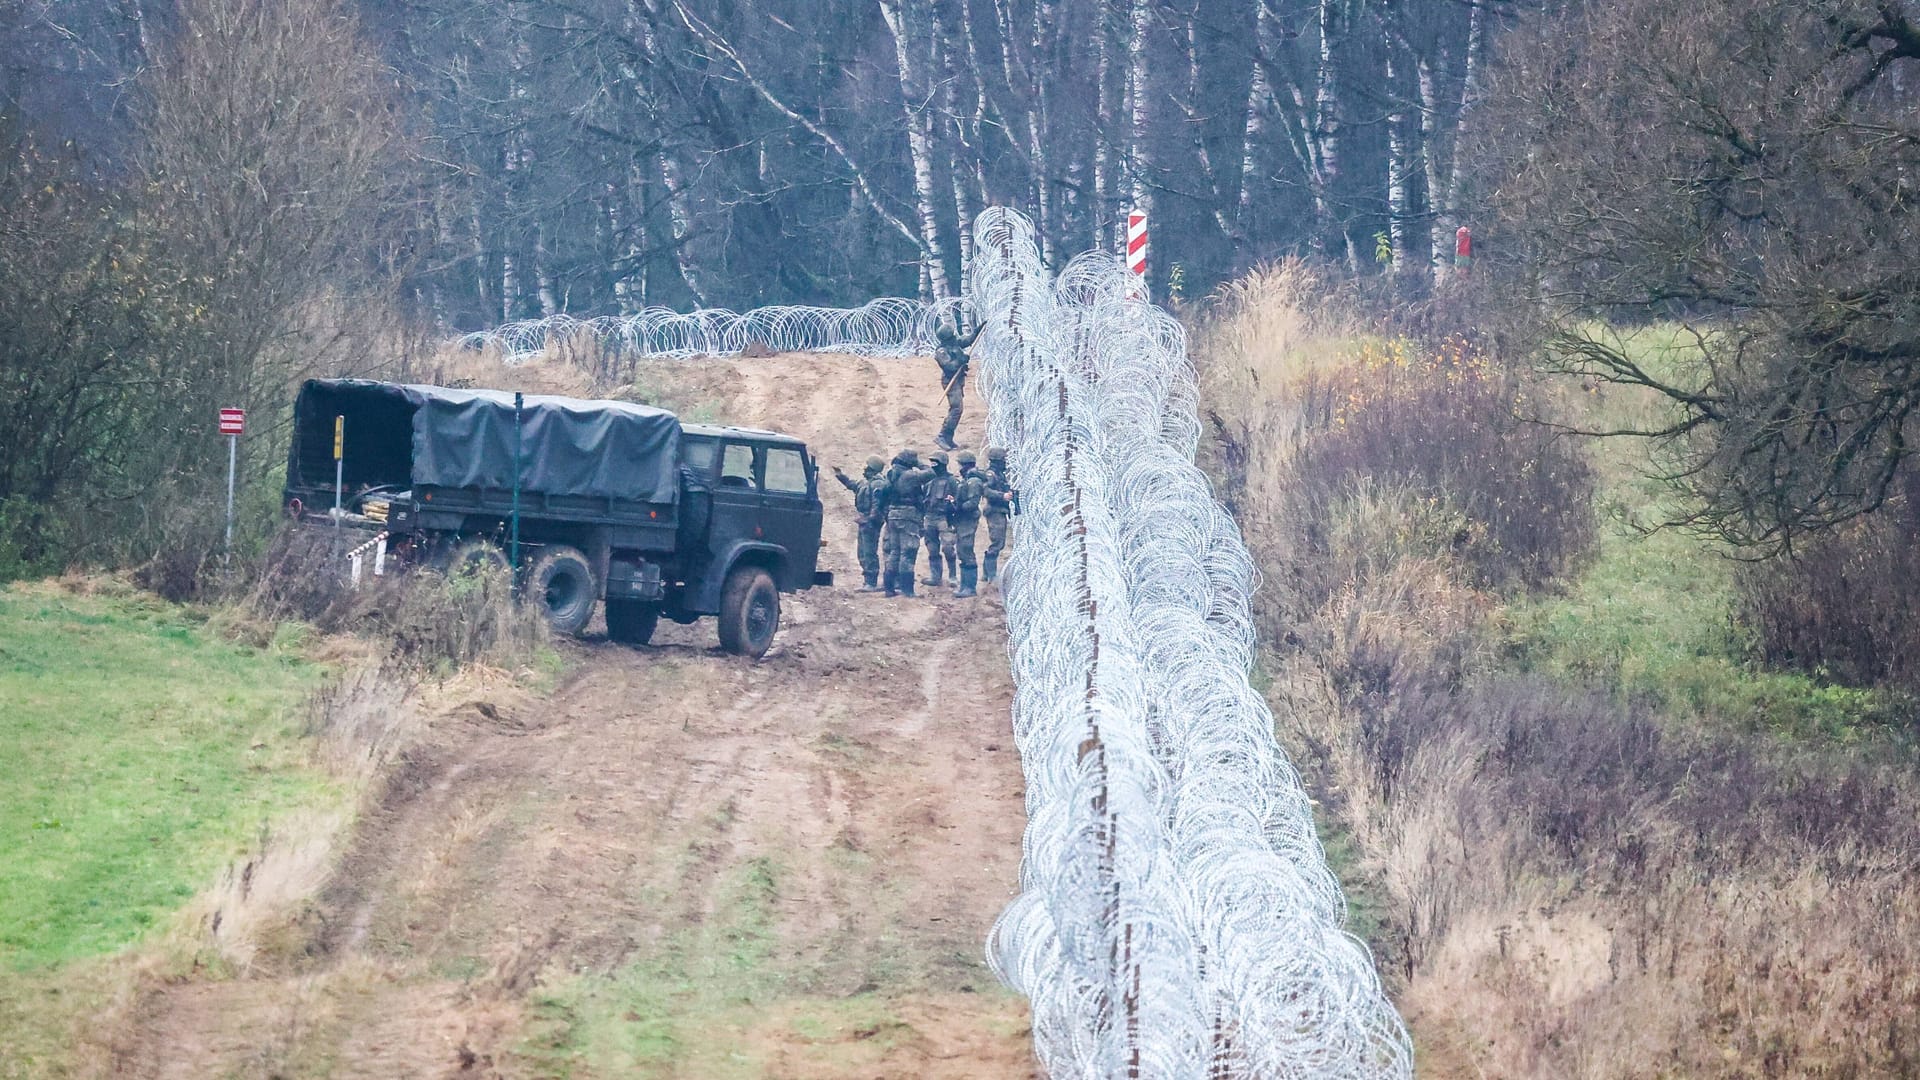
(904, 499)
(937, 526)
(870, 515)
(952, 357)
(971, 487)
(999, 496)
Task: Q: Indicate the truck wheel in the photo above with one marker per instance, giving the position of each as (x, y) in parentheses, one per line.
(561, 582)
(631, 622)
(473, 557)
(749, 612)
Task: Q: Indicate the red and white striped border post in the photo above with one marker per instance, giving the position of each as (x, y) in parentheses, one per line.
(1137, 245)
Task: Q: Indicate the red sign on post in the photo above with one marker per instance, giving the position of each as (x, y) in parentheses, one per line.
(233, 421)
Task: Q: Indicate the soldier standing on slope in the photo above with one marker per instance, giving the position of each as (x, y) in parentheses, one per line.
(938, 525)
(904, 500)
(999, 496)
(871, 516)
(971, 487)
(952, 356)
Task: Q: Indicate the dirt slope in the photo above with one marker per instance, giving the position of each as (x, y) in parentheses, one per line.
(678, 863)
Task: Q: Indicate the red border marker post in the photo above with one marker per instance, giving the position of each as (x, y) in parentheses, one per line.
(233, 424)
(1137, 247)
(1462, 250)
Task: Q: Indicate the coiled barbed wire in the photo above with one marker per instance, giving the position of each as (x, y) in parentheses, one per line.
(1177, 917)
(888, 327)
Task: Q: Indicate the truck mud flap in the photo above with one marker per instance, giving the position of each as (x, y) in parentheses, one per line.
(823, 578)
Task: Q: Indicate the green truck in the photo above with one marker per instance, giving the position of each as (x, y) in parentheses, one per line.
(614, 501)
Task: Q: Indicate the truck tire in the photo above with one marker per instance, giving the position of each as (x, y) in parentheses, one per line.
(749, 612)
(561, 582)
(631, 622)
(472, 557)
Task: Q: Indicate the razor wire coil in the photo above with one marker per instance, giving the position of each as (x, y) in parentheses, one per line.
(1177, 917)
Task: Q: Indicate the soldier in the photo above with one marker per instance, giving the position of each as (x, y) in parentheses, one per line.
(904, 500)
(1000, 502)
(971, 488)
(870, 515)
(952, 356)
(937, 528)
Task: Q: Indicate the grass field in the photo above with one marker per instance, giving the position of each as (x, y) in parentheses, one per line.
(139, 752)
(1651, 613)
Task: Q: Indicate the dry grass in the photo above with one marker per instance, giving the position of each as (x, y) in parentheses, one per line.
(1565, 882)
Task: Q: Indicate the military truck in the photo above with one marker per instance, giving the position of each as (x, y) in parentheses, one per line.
(617, 502)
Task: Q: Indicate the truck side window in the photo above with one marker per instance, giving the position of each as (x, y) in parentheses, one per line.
(736, 466)
(786, 471)
(698, 454)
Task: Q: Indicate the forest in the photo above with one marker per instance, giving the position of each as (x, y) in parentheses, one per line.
(598, 156)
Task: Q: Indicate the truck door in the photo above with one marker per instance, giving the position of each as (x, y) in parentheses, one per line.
(792, 515)
(738, 501)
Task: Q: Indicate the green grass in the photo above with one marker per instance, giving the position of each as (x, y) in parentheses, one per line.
(672, 1004)
(140, 752)
(1652, 613)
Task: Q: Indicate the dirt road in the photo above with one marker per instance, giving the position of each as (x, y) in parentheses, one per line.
(677, 863)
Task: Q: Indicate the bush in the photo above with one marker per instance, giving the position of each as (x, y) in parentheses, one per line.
(427, 618)
(1845, 605)
(1449, 426)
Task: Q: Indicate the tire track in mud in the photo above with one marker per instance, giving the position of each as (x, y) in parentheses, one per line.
(862, 777)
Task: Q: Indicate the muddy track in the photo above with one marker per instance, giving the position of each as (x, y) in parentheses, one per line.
(837, 823)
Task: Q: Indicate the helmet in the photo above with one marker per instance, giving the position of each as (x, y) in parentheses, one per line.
(939, 459)
(908, 457)
(966, 458)
(875, 464)
(996, 453)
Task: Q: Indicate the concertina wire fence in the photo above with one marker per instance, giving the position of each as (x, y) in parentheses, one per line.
(1177, 917)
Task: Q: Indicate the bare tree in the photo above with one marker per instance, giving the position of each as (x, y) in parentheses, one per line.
(1749, 171)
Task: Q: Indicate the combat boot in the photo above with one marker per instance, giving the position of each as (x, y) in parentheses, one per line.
(989, 567)
(872, 583)
(953, 567)
(967, 581)
(892, 582)
(933, 572)
(906, 583)
(945, 442)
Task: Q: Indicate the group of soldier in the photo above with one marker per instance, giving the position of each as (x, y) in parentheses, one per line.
(899, 505)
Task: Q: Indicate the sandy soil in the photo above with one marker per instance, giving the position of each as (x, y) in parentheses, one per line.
(677, 863)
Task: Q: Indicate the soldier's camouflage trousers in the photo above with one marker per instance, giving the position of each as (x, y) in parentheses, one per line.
(966, 533)
(956, 395)
(902, 544)
(996, 535)
(868, 545)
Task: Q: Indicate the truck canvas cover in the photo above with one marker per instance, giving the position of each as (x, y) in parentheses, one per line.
(464, 439)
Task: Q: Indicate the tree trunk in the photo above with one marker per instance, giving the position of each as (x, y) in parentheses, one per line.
(681, 213)
(1259, 91)
(914, 107)
(1329, 137)
(1140, 157)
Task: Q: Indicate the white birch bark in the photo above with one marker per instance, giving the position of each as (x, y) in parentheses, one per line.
(1259, 91)
(915, 108)
(1140, 161)
(1328, 135)
(1399, 167)
(1110, 89)
(680, 212)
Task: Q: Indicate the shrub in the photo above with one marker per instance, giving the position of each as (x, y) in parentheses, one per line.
(1448, 425)
(1845, 605)
(427, 618)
